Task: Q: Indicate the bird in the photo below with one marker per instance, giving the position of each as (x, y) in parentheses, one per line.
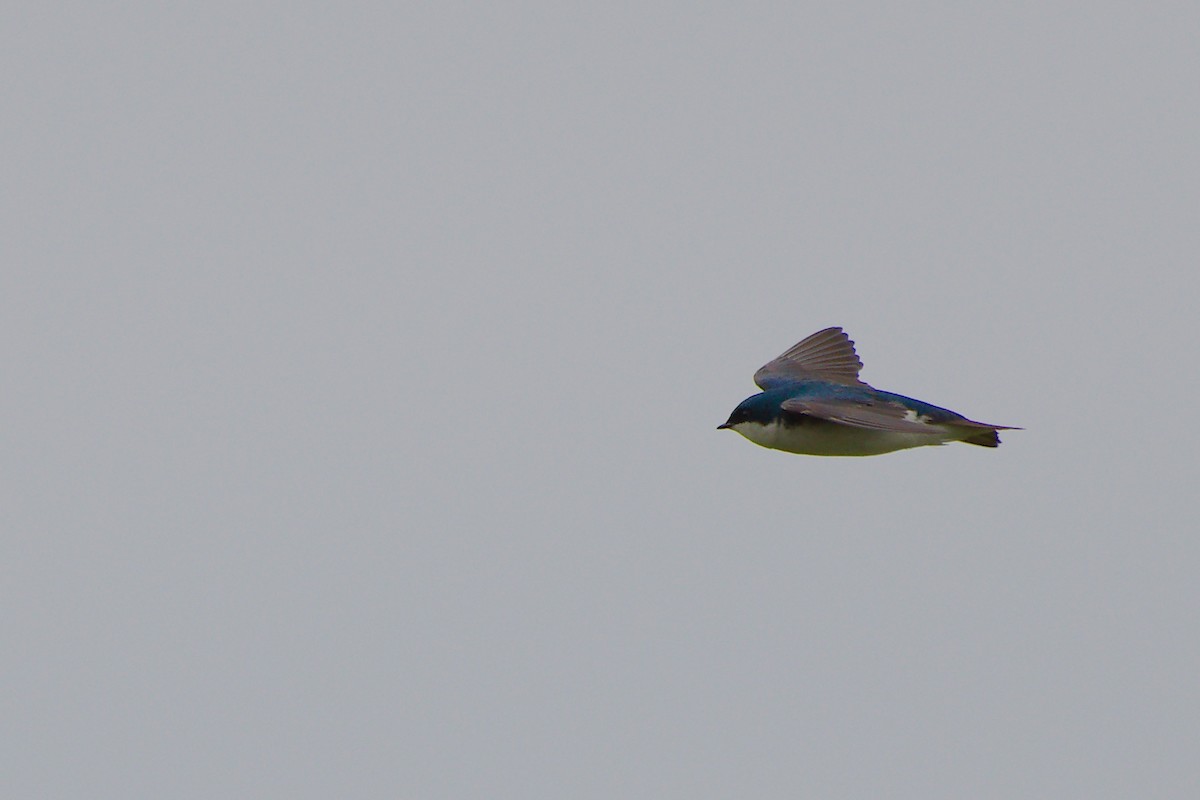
(813, 403)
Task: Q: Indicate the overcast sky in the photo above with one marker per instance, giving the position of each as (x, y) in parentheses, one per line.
(362, 365)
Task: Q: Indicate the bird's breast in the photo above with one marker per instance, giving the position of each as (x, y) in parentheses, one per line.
(817, 437)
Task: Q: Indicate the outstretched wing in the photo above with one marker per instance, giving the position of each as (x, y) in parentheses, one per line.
(827, 355)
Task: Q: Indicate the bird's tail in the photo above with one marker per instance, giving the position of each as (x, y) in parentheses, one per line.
(986, 439)
(983, 434)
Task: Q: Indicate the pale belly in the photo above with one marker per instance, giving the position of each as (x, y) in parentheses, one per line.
(819, 438)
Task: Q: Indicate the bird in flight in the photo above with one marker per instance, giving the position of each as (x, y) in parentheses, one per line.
(813, 403)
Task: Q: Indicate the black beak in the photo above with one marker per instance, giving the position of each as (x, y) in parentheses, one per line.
(723, 426)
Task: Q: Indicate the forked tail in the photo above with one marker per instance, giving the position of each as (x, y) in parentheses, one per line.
(986, 435)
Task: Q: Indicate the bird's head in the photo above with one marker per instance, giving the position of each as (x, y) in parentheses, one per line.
(757, 410)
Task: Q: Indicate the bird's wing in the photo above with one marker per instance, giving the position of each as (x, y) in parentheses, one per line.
(871, 414)
(826, 355)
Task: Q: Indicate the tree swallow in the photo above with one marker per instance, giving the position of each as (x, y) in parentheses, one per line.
(813, 403)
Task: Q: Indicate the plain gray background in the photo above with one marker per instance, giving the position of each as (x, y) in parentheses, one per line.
(362, 364)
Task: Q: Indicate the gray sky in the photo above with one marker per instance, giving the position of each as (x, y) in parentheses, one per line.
(362, 366)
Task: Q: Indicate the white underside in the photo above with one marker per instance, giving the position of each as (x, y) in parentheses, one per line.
(831, 439)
